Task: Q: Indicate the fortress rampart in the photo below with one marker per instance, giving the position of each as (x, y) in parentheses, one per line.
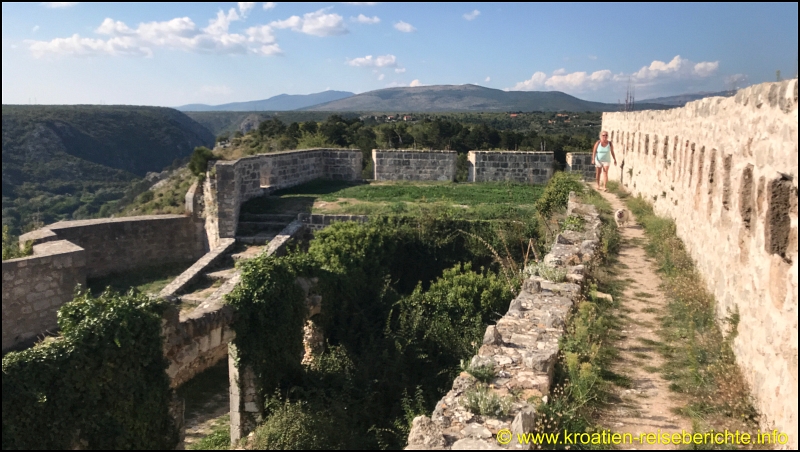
(406, 164)
(115, 245)
(233, 182)
(725, 169)
(514, 166)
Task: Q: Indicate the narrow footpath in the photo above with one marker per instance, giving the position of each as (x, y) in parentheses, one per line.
(648, 405)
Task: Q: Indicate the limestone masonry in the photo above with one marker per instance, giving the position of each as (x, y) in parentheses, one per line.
(232, 182)
(581, 163)
(406, 164)
(725, 169)
(522, 167)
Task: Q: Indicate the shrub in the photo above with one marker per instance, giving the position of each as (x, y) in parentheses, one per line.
(484, 374)
(556, 193)
(11, 248)
(198, 163)
(482, 400)
(548, 272)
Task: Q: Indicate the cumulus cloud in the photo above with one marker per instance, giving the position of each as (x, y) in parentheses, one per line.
(318, 23)
(471, 16)
(405, 27)
(59, 4)
(362, 19)
(415, 82)
(387, 60)
(245, 7)
(268, 5)
(656, 73)
(400, 70)
(180, 33)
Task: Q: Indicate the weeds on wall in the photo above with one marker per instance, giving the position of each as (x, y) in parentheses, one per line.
(11, 248)
(699, 354)
(101, 384)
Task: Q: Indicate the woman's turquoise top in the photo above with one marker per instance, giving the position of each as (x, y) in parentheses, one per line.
(603, 153)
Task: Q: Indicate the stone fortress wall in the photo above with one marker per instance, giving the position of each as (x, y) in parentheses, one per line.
(407, 164)
(232, 182)
(581, 163)
(514, 166)
(725, 169)
(68, 252)
(35, 287)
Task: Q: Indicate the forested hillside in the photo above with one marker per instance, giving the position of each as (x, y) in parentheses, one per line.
(65, 162)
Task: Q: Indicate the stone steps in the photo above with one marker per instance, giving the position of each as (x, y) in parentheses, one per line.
(221, 274)
(261, 238)
(282, 218)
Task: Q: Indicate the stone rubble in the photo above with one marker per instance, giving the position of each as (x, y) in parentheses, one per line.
(522, 347)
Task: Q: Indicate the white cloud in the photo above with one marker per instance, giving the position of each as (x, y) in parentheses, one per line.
(59, 4)
(245, 7)
(217, 90)
(180, 34)
(317, 23)
(387, 60)
(400, 70)
(405, 27)
(487, 80)
(415, 82)
(471, 16)
(656, 73)
(268, 5)
(362, 19)
(381, 77)
(35, 29)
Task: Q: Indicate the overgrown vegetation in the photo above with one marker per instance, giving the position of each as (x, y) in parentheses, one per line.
(482, 400)
(11, 248)
(405, 300)
(699, 354)
(101, 384)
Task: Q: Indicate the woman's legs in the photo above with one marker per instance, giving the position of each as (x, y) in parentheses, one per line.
(598, 170)
(605, 176)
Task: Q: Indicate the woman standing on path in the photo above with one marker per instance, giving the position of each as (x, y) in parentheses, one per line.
(602, 153)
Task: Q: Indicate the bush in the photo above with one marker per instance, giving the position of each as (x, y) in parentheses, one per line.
(198, 163)
(482, 400)
(11, 248)
(556, 193)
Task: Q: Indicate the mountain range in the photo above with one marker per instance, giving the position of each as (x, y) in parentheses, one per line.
(281, 102)
(681, 99)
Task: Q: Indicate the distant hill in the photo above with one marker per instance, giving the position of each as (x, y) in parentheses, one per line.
(61, 162)
(444, 98)
(281, 102)
(681, 99)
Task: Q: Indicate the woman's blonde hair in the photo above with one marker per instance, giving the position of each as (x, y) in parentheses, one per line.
(600, 135)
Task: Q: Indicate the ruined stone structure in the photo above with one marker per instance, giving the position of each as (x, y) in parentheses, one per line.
(725, 169)
(407, 164)
(232, 182)
(69, 252)
(35, 287)
(514, 166)
(581, 163)
(522, 349)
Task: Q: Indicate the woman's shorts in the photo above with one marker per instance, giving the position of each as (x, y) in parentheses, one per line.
(599, 164)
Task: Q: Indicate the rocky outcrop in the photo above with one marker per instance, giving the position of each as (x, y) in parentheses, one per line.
(522, 349)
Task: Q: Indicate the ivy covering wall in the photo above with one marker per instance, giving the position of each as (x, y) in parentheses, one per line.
(100, 385)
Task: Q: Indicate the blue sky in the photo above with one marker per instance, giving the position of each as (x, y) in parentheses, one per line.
(177, 53)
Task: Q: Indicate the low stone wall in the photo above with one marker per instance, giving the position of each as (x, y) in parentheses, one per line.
(315, 221)
(522, 348)
(515, 166)
(725, 169)
(581, 163)
(35, 287)
(115, 245)
(232, 182)
(196, 271)
(405, 164)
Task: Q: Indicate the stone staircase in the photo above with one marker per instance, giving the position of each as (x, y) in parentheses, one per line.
(259, 229)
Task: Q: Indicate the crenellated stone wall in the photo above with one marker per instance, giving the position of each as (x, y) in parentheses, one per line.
(407, 164)
(115, 245)
(35, 287)
(232, 182)
(515, 166)
(725, 169)
(581, 163)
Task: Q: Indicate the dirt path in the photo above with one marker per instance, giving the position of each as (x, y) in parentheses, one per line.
(648, 404)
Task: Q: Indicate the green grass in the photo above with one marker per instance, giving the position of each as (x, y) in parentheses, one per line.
(643, 295)
(146, 280)
(468, 201)
(218, 439)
